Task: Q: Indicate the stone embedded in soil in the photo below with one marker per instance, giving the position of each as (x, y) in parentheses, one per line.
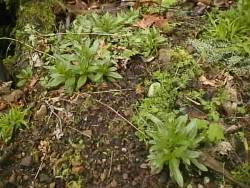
(12, 178)
(206, 180)
(77, 170)
(25, 177)
(103, 175)
(44, 178)
(144, 166)
(52, 185)
(125, 176)
(14, 96)
(26, 161)
(118, 168)
(113, 183)
(164, 56)
(200, 186)
(134, 183)
(230, 107)
(42, 112)
(224, 148)
(124, 150)
(5, 88)
(163, 177)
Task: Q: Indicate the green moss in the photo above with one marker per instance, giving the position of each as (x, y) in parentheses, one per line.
(242, 173)
(37, 14)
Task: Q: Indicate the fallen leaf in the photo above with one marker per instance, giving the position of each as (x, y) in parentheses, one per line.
(147, 21)
(163, 25)
(79, 7)
(200, 8)
(3, 105)
(139, 89)
(221, 3)
(207, 82)
(33, 83)
(206, 2)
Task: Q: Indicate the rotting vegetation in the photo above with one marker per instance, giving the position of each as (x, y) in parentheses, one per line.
(119, 96)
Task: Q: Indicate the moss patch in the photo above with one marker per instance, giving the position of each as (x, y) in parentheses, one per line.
(37, 14)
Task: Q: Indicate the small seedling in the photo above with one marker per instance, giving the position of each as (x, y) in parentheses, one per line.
(86, 62)
(24, 76)
(174, 141)
(13, 120)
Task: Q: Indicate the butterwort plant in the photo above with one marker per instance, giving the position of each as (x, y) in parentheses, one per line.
(174, 141)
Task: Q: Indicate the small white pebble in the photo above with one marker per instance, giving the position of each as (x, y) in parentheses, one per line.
(124, 150)
(206, 180)
(200, 186)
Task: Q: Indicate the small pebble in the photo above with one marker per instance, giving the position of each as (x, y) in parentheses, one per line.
(200, 186)
(125, 176)
(26, 161)
(206, 180)
(44, 178)
(118, 168)
(124, 150)
(163, 177)
(25, 177)
(144, 166)
(113, 183)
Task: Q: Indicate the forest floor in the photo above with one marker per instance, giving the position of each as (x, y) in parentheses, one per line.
(89, 138)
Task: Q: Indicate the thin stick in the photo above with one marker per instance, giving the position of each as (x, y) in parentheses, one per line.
(87, 33)
(111, 162)
(109, 91)
(193, 101)
(78, 131)
(27, 45)
(117, 113)
(39, 169)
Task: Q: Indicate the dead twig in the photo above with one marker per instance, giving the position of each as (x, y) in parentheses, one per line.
(82, 133)
(115, 111)
(193, 101)
(118, 114)
(86, 33)
(39, 169)
(234, 128)
(109, 91)
(8, 152)
(27, 45)
(111, 163)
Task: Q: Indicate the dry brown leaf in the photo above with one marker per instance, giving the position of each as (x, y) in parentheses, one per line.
(148, 20)
(221, 3)
(79, 7)
(3, 104)
(207, 82)
(161, 23)
(139, 89)
(33, 83)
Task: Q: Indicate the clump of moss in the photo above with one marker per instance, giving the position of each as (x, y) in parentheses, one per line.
(38, 14)
(242, 173)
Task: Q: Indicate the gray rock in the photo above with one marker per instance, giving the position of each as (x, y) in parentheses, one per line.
(41, 112)
(163, 177)
(26, 161)
(113, 183)
(125, 176)
(164, 56)
(44, 178)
